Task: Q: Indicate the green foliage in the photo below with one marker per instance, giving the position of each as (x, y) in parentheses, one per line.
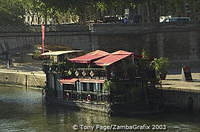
(150, 10)
(35, 6)
(36, 53)
(144, 62)
(107, 86)
(160, 64)
(11, 12)
(101, 6)
(145, 54)
(90, 9)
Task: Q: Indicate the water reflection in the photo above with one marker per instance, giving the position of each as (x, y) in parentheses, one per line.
(23, 110)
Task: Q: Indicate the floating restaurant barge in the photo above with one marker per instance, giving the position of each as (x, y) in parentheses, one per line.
(118, 82)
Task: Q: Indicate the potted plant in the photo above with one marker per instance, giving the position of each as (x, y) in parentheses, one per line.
(161, 65)
(107, 86)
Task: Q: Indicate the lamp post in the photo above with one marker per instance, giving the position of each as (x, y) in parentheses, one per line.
(43, 37)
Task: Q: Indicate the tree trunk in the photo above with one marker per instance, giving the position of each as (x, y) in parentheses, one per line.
(81, 14)
(148, 11)
(45, 18)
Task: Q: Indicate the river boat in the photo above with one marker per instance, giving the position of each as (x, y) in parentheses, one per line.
(117, 82)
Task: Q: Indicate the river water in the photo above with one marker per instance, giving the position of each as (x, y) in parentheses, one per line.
(24, 110)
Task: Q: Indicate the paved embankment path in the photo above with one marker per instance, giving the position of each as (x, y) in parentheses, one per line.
(175, 82)
(27, 74)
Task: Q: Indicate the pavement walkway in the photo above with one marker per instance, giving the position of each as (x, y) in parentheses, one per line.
(23, 68)
(175, 82)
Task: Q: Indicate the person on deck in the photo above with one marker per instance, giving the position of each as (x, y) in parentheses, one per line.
(89, 97)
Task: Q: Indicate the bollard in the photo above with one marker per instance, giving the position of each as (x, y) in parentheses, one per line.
(186, 73)
(26, 82)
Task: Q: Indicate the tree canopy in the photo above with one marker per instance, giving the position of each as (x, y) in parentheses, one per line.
(150, 10)
(90, 9)
(11, 12)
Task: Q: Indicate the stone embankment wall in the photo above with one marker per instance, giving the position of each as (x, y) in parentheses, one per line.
(17, 41)
(180, 43)
(26, 79)
(183, 100)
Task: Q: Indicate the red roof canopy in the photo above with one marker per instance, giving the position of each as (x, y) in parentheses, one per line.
(110, 59)
(122, 52)
(87, 58)
(68, 81)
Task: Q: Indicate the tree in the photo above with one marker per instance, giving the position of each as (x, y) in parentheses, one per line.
(91, 9)
(11, 12)
(150, 10)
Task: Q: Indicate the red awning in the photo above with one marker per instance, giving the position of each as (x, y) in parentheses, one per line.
(108, 60)
(87, 58)
(91, 80)
(122, 52)
(68, 81)
(113, 57)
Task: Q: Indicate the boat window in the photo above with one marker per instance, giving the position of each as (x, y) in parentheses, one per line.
(95, 87)
(78, 85)
(91, 87)
(98, 87)
(84, 86)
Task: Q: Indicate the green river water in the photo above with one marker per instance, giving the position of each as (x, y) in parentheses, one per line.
(24, 110)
